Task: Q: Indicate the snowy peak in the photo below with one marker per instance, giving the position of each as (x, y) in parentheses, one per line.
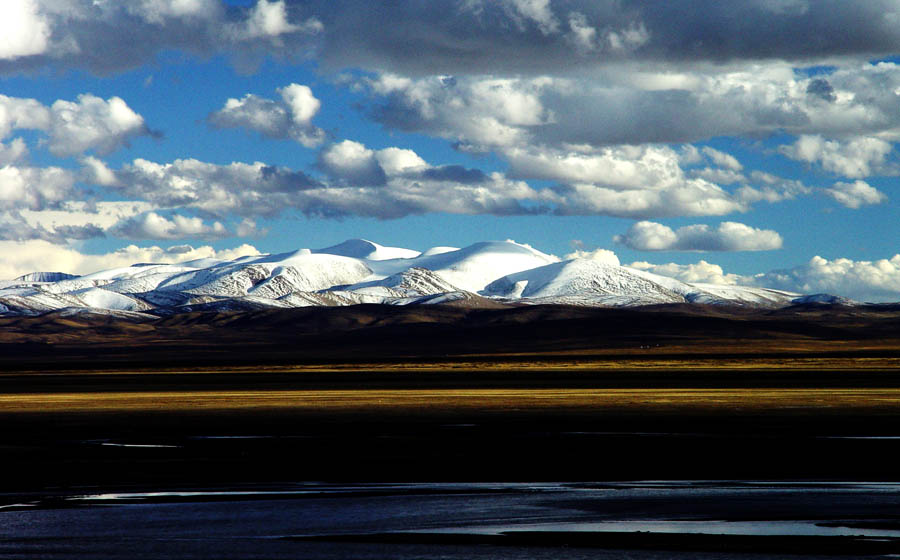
(474, 267)
(45, 277)
(489, 273)
(368, 250)
(412, 282)
(581, 280)
(822, 299)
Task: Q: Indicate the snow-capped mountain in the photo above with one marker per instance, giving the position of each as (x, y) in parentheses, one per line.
(360, 271)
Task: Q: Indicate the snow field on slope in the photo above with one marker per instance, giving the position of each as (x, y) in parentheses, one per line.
(582, 278)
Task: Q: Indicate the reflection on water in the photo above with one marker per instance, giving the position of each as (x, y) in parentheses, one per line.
(255, 522)
(705, 527)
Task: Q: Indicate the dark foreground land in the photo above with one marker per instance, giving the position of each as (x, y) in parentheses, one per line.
(371, 394)
(386, 393)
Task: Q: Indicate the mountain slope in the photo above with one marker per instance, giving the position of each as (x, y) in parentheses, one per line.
(580, 278)
(358, 271)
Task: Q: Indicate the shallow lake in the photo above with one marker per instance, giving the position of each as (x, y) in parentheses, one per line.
(407, 521)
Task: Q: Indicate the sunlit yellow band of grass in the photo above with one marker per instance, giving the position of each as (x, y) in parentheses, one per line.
(436, 400)
(520, 364)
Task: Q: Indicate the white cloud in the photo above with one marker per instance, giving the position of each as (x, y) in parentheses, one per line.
(38, 255)
(771, 188)
(78, 214)
(628, 181)
(289, 118)
(106, 36)
(410, 186)
(860, 280)
(67, 221)
(13, 153)
(73, 127)
(154, 226)
(18, 113)
(352, 163)
(34, 188)
(14, 226)
(537, 11)
(157, 11)
(249, 228)
(397, 161)
(729, 236)
(481, 113)
(639, 104)
(722, 159)
(604, 256)
(246, 189)
(875, 281)
(97, 172)
(700, 272)
(619, 167)
(858, 157)
(269, 19)
(581, 34)
(855, 194)
(92, 123)
(694, 197)
(719, 176)
(23, 31)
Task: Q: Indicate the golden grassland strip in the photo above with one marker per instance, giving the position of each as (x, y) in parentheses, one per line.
(487, 365)
(682, 400)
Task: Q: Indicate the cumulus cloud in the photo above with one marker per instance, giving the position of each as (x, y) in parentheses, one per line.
(860, 280)
(23, 31)
(39, 255)
(874, 281)
(104, 36)
(637, 105)
(249, 228)
(719, 176)
(92, 123)
(154, 226)
(97, 172)
(480, 113)
(858, 157)
(352, 163)
(245, 189)
(771, 188)
(626, 181)
(411, 186)
(604, 256)
(700, 272)
(855, 194)
(19, 113)
(158, 11)
(537, 36)
(15, 227)
(73, 127)
(725, 169)
(74, 215)
(14, 152)
(722, 159)
(692, 198)
(35, 188)
(66, 221)
(269, 19)
(499, 74)
(729, 236)
(290, 117)
(619, 167)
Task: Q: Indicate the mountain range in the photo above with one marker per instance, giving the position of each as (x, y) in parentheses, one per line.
(485, 274)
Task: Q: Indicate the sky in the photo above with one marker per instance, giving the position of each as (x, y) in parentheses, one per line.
(725, 141)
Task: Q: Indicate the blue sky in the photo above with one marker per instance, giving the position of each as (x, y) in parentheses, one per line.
(746, 142)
